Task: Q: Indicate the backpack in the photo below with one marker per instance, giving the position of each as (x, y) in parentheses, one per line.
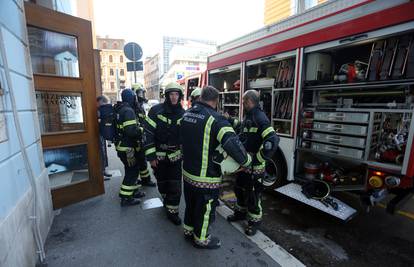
(108, 121)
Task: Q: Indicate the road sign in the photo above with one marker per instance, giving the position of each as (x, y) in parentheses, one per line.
(133, 51)
(135, 66)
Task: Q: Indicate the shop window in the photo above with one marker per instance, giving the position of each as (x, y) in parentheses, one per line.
(59, 111)
(53, 53)
(67, 165)
(110, 58)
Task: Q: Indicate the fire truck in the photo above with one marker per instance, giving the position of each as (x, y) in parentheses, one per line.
(190, 83)
(337, 84)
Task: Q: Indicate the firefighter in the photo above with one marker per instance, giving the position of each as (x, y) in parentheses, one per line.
(128, 146)
(140, 113)
(163, 149)
(205, 130)
(195, 95)
(261, 141)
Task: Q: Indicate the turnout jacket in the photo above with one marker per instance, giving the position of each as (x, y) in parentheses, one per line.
(202, 131)
(140, 111)
(258, 136)
(129, 133)
(162, 133)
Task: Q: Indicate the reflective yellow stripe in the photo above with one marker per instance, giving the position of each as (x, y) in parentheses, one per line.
(162, 154)
(171, 207)
(223, 131)
(206, 221)
(126, 193)
(150, 151)
(259, 157)
(257, 216)
(248, 162)
(253, 130)
(175, 154)
(122, 148)
(144, 172)
(202, 179)
(164, 119)
(259, 167)
(179, 122)
(151, 122)
(206, 145)
(129, 187)
(188, 228)
(267, 131)
(130, 122)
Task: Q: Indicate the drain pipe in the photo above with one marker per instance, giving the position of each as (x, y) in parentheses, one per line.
(35, 226)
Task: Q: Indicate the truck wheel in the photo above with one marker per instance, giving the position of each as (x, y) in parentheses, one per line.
(275, 175)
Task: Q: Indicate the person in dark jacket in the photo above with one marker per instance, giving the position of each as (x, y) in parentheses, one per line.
(128, 146)
(195, 95)
(141, 115)
(203, 130)
(103, 100)
(260, 140)
(163, 148)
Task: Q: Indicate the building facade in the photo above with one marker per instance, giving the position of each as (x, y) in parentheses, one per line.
(19, 118)
(46, 92)
(169, 42)
(276, 10)
(152, 76)
(114, 75)
(186, 60)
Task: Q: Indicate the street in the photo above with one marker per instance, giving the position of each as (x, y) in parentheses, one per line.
(98, 232)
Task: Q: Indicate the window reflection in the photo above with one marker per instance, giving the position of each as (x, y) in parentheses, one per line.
(66, 165)
(53, 53)
(59, 111)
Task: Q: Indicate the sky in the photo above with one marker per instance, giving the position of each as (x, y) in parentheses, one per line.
(146, 21)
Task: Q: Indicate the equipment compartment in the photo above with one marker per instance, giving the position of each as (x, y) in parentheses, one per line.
(372, 61)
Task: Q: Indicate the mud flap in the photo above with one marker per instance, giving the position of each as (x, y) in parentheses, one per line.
(294, 191)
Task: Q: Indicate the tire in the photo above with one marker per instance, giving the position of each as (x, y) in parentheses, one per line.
(276, 172)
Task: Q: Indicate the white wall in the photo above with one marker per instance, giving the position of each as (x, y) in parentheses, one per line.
(16, 238)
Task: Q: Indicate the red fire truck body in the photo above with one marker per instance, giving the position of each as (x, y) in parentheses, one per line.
(337, 83)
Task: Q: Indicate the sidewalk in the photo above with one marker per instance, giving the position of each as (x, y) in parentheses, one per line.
(98, 232)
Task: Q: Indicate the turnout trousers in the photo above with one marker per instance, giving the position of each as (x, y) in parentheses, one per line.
(129, 184)
(143, 167)
(169, 180)
(248, 190)
(200, 208)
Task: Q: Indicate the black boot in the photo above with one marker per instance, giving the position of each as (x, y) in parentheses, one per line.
(148, 182)
(237, 216)
(212, 242)
(139, 194)
(251, 228)
(174, 218)
(125, 202)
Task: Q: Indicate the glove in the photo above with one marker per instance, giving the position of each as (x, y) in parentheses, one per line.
(130, 154)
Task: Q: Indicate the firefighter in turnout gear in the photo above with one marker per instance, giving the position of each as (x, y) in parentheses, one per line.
(195, 95)
(203, 130)
(163, 148)
(140, 113)
(128, 145)
(261, 141)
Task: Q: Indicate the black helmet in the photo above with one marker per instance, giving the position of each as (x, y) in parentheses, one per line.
(129, 97)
